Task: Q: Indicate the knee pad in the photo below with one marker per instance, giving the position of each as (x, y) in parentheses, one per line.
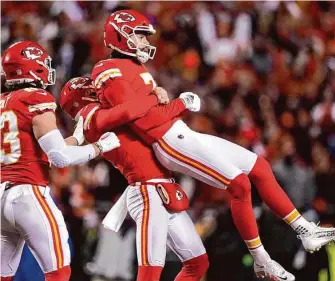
(196, 267)
(240, 188)
(149, 273)
(62, 274)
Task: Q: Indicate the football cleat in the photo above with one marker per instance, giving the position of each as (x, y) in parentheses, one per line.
(273, 271)
(319, 237)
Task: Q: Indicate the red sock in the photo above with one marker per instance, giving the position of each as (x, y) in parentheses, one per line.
(7, 278)
(269, 189)
(149, 273)
(62, 274)
(241, 207)
(193, 269)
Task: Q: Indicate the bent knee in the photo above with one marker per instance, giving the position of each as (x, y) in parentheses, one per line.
(197, 267)
(240, 187)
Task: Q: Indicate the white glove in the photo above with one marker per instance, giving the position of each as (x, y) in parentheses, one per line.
(78, 133)
(107, 142)
(191, 101)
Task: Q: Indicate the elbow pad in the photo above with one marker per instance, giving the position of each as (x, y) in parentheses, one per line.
(58, 158)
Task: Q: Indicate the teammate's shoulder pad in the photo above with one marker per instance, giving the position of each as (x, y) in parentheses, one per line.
(104, 70)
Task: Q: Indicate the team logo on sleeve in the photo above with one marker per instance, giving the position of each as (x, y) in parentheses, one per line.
(32, 53)
(124, 17)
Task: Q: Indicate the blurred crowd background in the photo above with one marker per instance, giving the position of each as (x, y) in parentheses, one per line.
(266, 74)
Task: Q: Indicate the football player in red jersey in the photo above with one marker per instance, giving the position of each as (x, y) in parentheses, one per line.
(213, 160)
(29, 140)
(157, 226)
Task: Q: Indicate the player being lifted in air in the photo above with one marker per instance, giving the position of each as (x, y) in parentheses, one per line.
(158, 225)
(210, 159)
(29, 141)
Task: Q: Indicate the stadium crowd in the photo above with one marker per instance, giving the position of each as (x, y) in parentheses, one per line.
(265, 72)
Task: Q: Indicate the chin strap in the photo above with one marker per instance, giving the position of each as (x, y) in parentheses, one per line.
(143, 57)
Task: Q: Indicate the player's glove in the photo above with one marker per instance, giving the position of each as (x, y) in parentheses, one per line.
(78, 133)
(107, 142)
(191, 101)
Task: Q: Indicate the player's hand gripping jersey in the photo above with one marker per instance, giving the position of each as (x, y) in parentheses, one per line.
(120, 80)
(22, 159)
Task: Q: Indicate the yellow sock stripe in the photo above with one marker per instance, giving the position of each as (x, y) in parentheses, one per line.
(291, 217)
(254, 243)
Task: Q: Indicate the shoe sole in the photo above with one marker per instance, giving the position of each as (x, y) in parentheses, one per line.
(262, 275)
(318, 248)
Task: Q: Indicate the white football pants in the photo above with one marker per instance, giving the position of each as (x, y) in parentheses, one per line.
(157, 227)
(207, 158)
(29, 215)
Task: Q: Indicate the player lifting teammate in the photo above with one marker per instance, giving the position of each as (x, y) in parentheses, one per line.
(157, 225)
(213, 160)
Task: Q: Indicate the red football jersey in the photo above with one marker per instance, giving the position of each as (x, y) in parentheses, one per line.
(120, 80)
(22, 159)
(133, 158)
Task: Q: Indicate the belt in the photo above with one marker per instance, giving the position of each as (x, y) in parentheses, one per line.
(138, 183)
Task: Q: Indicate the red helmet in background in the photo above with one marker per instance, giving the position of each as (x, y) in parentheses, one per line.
(27, 62)
(120, 26)
(76, 94)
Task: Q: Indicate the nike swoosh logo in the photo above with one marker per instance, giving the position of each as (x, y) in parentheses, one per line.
(282, 278)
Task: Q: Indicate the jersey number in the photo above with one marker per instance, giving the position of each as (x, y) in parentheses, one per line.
(148, 79)
(10, 143)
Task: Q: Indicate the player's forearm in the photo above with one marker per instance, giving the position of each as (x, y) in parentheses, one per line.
(107, 119)
(62, 155)
(159, 114)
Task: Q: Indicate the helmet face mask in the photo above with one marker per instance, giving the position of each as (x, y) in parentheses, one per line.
(51, 79)
(121, 31)
(144, 51)
(52, 71)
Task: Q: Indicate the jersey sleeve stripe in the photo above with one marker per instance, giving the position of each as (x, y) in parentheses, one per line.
(89, 118)
(42, 106)
(105, 75)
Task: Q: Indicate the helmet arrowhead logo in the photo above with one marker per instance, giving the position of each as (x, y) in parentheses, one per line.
(124, 17)
(32, 53)
(80, 82)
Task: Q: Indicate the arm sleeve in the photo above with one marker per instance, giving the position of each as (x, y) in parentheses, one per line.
(62, 155)
(107, 119)
(159, 115)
